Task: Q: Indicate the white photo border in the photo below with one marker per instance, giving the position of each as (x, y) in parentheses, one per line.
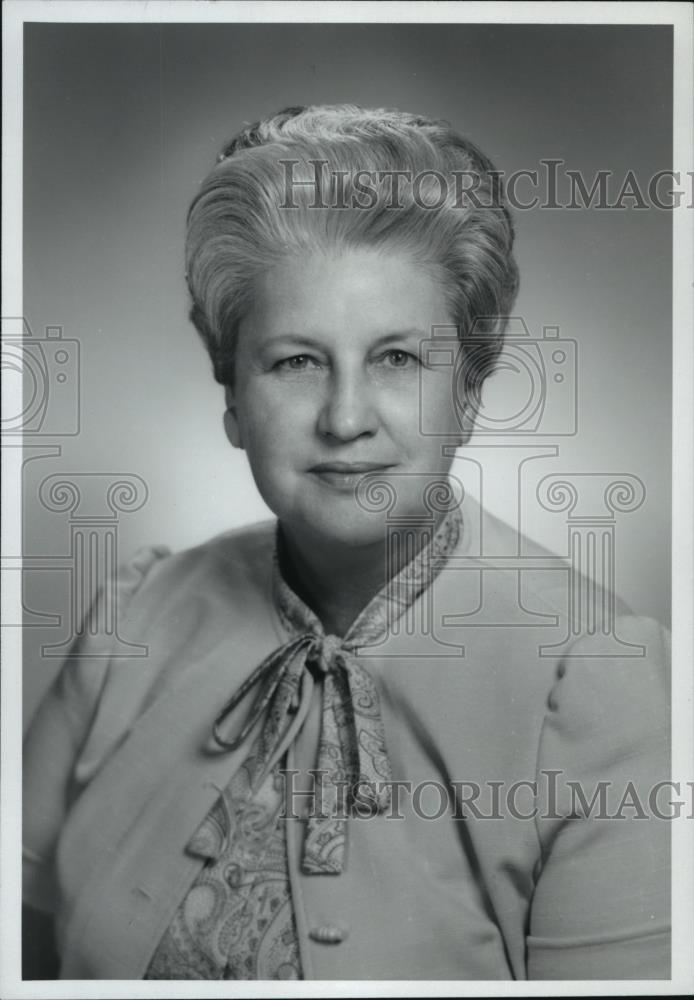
(681, 17)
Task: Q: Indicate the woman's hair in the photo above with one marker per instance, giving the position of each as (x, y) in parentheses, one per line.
(331, 178)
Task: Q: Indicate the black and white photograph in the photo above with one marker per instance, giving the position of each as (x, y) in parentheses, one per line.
(347, 499)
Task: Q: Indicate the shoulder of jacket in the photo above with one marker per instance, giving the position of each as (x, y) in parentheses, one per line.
(176, 601)
(548, 586)
(232, 556)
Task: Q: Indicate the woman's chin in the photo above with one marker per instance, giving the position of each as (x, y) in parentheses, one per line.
(343, 527)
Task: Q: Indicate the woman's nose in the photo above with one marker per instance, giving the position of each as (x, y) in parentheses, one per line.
(349, 410)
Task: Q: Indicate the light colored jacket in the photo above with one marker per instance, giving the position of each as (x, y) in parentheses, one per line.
(534, 882)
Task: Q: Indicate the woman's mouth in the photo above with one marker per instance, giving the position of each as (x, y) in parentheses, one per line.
(345, 475)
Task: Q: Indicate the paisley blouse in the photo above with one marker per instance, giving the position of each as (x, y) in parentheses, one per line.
(237, 920)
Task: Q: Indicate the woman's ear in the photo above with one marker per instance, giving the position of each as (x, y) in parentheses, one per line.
(231, 424)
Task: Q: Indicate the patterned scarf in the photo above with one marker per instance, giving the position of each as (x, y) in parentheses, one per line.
(237, 920)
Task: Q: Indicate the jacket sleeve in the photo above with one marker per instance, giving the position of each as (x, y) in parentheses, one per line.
(601, 904)
(58, 731)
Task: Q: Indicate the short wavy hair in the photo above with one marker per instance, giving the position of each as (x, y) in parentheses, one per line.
(295, 183)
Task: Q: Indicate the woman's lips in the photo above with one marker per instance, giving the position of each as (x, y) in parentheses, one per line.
(343, 475)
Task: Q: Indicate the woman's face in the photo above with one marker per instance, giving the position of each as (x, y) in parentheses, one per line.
(330, 381)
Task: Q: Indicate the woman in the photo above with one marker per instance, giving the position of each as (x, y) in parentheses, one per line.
(314, 774)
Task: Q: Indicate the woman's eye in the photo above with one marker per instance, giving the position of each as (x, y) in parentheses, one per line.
(400, 359)
(297, 363)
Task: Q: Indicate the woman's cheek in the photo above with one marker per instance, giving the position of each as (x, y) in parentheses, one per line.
(401, 412)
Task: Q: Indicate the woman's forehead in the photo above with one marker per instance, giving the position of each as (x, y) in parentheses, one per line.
(384, 294)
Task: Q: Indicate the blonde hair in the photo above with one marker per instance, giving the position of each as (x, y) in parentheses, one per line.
(294, 183)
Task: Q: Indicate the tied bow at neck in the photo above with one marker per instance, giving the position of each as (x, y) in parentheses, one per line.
(352, 770)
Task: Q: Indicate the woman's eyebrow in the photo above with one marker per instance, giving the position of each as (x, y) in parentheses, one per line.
(392, 336)
(293, 338)
(396, 335)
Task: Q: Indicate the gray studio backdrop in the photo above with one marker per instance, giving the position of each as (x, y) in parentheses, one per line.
(121, 122)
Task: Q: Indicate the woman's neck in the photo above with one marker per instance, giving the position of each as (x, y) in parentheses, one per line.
(337, 582)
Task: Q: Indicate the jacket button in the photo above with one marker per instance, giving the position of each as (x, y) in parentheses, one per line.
(328, 934)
